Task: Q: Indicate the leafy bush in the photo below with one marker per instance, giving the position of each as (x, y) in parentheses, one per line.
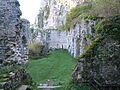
(110, 27)
(75, 13)
(106, 8)
(36, 50)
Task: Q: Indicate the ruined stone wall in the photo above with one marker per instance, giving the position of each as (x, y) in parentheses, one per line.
(74, 40)
(51, 17)
(98, 58)
(16, 79)
(12, 34)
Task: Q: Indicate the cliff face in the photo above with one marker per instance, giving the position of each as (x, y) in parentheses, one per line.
(74, 40)
(100, 61)
(13, 39)
(53, 12)
(53, 15)
(99, 56)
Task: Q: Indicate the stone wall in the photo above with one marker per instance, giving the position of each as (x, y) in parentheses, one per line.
(13, 37)
(16, 79)
(74, 40)
(47, 29)
(99, 58)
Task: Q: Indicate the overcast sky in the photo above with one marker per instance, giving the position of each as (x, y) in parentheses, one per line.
(30, 9)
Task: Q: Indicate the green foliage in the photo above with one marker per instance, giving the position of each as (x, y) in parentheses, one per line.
(88, 36)
(3, 79)
(72, 86)
(61, 28)
(89, 52)
(91, 10)
(106, 8)
(36, 50)
(93, 28)
(58, 67)
(109, 27)
(11, 68)
(73, 17)
(89, 16)
(101, 25)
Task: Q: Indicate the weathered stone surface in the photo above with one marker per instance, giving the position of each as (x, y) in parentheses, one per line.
(74, 40)
(53, 13)
(13, 33)
(48, 32)
(103, 66)
(15, 80)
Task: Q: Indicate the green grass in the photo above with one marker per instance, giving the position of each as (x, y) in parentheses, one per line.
(57, 67)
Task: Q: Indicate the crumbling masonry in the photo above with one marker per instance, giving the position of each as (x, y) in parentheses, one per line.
(13, 34)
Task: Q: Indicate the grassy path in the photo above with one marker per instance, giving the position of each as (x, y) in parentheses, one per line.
(57, 67)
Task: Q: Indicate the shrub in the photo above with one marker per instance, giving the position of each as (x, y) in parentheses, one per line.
(75, 13)
(106, 8)
(36, 50)
(109, 27)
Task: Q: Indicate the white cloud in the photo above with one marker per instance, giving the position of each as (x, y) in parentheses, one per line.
(30, 9)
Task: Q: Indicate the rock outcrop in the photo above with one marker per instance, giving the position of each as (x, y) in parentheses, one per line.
(100, 60)
(74, 40)
(99, 57)
(52, 16)
(13, 34)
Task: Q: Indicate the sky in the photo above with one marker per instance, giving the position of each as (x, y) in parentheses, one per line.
(30, 9)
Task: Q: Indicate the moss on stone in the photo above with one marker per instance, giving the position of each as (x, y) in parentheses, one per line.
(6, 75)
(109, 27)
(74, 16)
(101, 25)
(89, 52)
(89, 16)
(3, 79)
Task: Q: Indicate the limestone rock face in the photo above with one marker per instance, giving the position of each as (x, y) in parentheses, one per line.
(53, 15)
(103, 66)
(74, 40)
(102, 62)
(13, 37)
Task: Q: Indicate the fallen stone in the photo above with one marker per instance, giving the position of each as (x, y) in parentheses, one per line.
(23, 87)
(48, 87)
